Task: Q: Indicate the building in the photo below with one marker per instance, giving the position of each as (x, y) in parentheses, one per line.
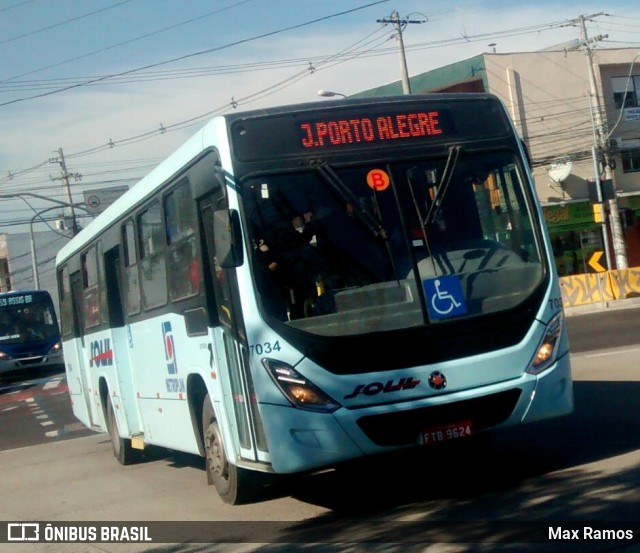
(548, 94)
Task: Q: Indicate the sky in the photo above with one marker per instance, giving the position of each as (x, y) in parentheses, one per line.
(117, 85)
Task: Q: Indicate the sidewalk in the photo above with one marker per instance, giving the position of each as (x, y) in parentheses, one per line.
(602, 306)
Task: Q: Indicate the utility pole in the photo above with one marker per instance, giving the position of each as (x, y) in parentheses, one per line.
(65, 178)
(400, 24)
(619, 247)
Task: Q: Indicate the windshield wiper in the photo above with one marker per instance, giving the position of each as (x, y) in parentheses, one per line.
(369, 220)
(445, 181)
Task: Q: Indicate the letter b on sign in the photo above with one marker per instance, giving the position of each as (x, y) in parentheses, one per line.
(378, 180)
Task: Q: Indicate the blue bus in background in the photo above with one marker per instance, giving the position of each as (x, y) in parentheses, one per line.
(29, 334)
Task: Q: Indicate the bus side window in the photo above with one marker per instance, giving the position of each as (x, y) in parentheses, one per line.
(152, 257)
(183, 260)
(219, 277)
(66, 305)
(131, 283)
(92, 311)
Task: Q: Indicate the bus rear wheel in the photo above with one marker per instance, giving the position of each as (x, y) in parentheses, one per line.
(122, 450)
(232, 483)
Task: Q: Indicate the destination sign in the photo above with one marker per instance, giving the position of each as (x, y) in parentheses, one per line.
(265, 136)
(399, 126)
(16, 300)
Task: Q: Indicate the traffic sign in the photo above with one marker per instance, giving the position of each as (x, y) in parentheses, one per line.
(594, 262)
(98, 200)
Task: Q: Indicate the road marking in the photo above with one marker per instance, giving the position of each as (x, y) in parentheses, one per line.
(68, 428)
(39, 417)
(9, 408)
(52, 383)
(46, 423)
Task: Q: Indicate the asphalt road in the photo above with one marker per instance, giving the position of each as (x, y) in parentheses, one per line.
(578, 470)
(36, 410)
(604, 329)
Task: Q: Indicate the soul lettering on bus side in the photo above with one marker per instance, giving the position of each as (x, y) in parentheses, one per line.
(390, 127)
(101, 353)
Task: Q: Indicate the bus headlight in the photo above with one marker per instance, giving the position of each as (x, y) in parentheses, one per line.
(302, 393)
(548, 347)
(3, 355)
(56, 348)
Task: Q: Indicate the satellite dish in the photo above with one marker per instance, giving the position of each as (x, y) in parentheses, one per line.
(560, 171)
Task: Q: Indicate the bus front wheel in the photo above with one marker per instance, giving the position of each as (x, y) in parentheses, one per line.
(122, 449)
(232, 483)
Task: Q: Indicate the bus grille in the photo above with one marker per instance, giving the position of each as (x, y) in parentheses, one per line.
(29, 361)
(404, 427)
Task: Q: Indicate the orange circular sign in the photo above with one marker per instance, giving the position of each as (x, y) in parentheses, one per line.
(378, 180)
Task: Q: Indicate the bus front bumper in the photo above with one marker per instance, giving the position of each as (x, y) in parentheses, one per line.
(31, 363)
(303, 440)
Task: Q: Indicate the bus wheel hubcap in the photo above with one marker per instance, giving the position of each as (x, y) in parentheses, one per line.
(215, 453)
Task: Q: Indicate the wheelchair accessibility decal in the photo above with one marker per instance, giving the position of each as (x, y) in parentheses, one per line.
(444, 297)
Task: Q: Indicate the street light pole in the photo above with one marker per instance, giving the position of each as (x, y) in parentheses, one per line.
(34, 261)
(38, 196)
(330, 94)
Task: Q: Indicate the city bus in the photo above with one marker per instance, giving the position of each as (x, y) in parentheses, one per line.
(29, 332)
(301, 286)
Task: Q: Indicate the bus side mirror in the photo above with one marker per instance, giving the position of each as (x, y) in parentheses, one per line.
(227, 237)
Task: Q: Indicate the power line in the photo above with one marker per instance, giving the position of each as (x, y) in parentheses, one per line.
(337, 58)
(195, 54)
(61, 23)
(141, 37)
(16, 6)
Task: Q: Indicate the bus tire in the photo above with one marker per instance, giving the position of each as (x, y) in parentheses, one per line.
(232, 483)
(122, 450)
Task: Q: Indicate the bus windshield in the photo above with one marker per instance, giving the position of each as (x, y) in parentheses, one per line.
(352, 249)
(27, 318)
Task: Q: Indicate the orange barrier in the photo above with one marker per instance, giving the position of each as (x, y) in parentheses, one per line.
(600, 287)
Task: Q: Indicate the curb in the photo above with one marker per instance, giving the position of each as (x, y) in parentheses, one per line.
(602, 306)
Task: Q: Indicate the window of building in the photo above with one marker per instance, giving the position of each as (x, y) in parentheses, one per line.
(181, 224)
(151, 235)
(625, 91)
(630, 161)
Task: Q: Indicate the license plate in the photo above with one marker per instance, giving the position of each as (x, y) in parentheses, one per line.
(447, 432)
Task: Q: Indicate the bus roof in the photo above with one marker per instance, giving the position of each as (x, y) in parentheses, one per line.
(329, 105)
(23, 292)
(141, 190)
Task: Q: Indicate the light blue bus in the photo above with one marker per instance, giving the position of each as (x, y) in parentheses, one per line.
(301, 286)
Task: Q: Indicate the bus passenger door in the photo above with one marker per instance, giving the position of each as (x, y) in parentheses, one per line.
(230, 360)
(82, 355)
(119, 341)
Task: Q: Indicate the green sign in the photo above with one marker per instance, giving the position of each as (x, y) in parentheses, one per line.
(568, 216)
